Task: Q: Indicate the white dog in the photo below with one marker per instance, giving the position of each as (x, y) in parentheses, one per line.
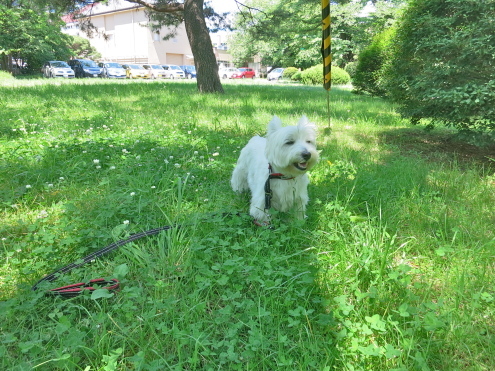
(274, 169)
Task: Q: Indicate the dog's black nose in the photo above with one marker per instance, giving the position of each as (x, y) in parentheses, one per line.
(306, 155)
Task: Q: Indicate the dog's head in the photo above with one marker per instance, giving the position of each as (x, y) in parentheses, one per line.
(292, 149)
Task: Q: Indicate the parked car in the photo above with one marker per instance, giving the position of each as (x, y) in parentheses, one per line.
(57, 69)
(112, 70)
(84, 68)
(190, 71)
(173, 71)
(229, 73)
(275, 74)
(156, 71)
(247, 72)
(136, 71)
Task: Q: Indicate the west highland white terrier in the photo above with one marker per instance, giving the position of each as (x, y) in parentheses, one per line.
(274, 169)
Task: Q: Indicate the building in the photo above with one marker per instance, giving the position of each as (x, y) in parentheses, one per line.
(123, 36)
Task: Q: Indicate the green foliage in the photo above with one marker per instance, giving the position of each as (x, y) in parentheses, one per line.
(289, 72)
(82, 48)
(350, 68)
(442, 66)
(31, 36)
(314, 76)
(281, 33)
(296, 76)
(368, 77)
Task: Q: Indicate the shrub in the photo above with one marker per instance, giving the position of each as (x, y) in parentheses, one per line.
(442, 63)
(289, 72)
(350, 68)
(339, 76)
(314, 76)
(296, 76)
(368, 77)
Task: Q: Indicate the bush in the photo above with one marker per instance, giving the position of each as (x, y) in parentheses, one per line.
(314, 76)
(289, 72)
(350, 68)
(442, 63)
(296, 76)
(368, 77)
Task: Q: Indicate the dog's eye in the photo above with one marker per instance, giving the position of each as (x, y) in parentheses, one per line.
(309, 142)
(289, 142)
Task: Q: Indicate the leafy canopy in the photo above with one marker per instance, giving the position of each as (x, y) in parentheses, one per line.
(443, 63)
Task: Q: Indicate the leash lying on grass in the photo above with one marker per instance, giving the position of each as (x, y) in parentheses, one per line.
(100, 283)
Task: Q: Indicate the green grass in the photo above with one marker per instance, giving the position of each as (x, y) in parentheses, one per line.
(392, 270)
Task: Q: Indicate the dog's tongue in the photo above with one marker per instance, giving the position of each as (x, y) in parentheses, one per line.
(303, 165)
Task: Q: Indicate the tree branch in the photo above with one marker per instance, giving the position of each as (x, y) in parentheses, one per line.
(160, 8)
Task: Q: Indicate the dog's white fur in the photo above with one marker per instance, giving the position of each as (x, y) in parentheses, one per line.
(290, 150)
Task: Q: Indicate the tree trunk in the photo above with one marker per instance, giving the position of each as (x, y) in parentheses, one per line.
(199, 39)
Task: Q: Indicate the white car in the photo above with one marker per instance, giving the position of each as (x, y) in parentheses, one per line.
(57, 69)
(229, 73)
(173, 71)
(275, 74)
(156, 71)
(112, 70)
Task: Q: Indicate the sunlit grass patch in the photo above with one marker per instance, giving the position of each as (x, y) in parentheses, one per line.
(393, 269)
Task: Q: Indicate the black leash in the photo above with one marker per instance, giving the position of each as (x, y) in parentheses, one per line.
(113, 284)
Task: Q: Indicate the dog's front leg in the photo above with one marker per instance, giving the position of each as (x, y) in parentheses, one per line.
(257, 208)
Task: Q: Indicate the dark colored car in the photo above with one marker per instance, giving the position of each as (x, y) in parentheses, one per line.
(84, 67)
(190, 71)
(247, 72)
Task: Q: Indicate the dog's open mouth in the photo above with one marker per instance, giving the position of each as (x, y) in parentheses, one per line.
(301, 165)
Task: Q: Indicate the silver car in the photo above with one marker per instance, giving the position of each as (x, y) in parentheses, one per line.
(173, 71)
(57, 69)
(112, 70)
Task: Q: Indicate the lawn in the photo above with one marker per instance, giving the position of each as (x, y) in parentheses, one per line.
(393, 269)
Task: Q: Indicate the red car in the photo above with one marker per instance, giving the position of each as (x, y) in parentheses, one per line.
(247, 72)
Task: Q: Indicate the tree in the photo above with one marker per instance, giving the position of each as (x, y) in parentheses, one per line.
(192, 13)
(83, 49)
(30, 36)
(442, 66)
(288, 32)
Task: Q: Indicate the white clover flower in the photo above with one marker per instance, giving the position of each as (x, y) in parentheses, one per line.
(28, 186)
(177, 165)
(171, 157)
(166, 161)
(126, 222)
(42, 214)
(112, 168)
(96, 161)
(98, 167)
(133, 194)
(153, 187)
(50, 185)
(201, 157)
(195, 152)
(216, 154)
(61, 178)
(206, 200)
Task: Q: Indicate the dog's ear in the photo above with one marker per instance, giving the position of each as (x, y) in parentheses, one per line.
(304, 123)
(274, 125)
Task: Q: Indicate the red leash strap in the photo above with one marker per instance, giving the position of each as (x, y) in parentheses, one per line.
(75, 289)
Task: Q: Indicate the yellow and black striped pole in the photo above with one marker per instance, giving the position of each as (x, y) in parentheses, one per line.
(326, 43)
(326, 52)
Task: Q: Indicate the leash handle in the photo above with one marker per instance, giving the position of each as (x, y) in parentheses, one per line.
(95, 255)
